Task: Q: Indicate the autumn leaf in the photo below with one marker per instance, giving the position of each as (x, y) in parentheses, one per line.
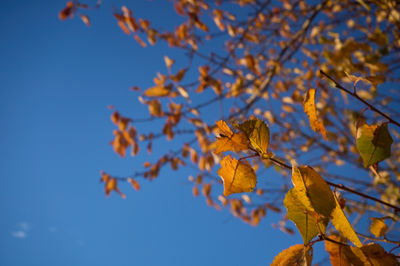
(168, 61)
(314, 192)
(67, 12)
(378, 227)
(110, 185)
(295, 255)
(155, 108)
(135, 184)
(340, 222)
(257, 132)
(229, 141)
(374, 143)
(371, 254)
(237, 176)
(85, 19)
(336, 252)
(310, 110)
(157, 91)
(309, 223)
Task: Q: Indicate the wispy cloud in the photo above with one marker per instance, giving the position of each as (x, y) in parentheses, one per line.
(22, 230)
(19, 234)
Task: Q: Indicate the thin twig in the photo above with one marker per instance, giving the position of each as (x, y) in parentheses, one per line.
(342, 187)
(355, 95)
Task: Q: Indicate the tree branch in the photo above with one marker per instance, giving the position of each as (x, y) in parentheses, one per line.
(355, 95)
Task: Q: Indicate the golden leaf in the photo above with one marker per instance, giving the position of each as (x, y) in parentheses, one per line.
(378, 227)
(237, 176)
(229, 141)
(340, 222)
(135, 184)
(336, 252)
(295, 255)
(157, 91)
(310, 110)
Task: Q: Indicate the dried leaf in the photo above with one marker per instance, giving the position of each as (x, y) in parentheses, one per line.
(237, 176)
(257, 132)
(157, 91)
(229, 141)
(378, 227)
(310, 110)
(293, 256)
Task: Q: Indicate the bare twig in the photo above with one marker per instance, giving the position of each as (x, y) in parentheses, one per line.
(355, 95)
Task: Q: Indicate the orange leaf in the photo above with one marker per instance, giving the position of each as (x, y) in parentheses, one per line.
(157, 91)
(110, 185)
(123, 27)
(135, 184)
(67, 12)
(228, 141)
(295, 255)
(155, 108)
(310, 110)
(237, 176)
(139, 41)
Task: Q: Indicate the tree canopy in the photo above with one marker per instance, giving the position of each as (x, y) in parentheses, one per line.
(301, 92)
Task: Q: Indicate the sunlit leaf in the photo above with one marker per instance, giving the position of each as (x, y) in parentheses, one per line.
(378, 227)
(257, 132)
(168, 61)
(110, 185)
(237, 176)
(371, 254)
(314, 192)
(340, 222)
(309, 223)
(374, 143)
(135, 184)
(295, 255)
(157, 91)
(229, 141)
(336, 252)
(310, 110)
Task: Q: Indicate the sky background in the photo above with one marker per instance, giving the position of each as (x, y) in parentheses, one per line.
(56, 81)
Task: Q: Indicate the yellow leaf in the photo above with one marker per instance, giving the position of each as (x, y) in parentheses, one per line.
(314, 192)
(378, 227)
(308, 222)
(229, 141)
(157, 91)
(339, 220)
(295, 255)
(237, 176)
(257, 132)
(155, 108)
(310, 110)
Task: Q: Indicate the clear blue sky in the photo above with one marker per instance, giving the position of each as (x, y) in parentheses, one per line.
(56, 81)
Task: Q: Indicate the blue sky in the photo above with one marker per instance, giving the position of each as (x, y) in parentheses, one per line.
(57, 79)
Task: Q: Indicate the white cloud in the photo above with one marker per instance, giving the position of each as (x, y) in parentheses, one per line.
(22, 230)
(19, 234)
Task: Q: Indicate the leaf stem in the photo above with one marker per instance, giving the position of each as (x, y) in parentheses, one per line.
(355, 95)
